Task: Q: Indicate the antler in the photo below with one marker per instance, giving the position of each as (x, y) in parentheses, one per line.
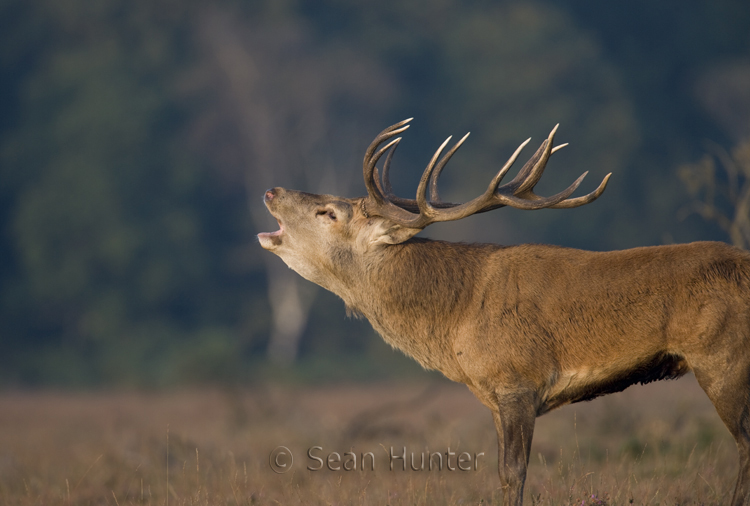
(419, 213)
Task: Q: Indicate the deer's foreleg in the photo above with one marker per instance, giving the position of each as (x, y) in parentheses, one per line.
(514, 421)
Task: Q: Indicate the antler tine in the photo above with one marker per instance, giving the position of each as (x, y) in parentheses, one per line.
(579, 201)
(558, 148)
(384, 136)
(387, 188)
(531, 201)
(384, 183)
(434, 194)
(504, 170)
(424, 207)
(372, 155)
(532, 171)
(371, 172)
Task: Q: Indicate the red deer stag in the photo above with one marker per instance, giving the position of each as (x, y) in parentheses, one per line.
(528, 328)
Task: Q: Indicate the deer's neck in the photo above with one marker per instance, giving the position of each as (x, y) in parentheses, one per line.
(416, 295)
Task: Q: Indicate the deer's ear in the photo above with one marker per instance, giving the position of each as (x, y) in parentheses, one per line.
(395, 234)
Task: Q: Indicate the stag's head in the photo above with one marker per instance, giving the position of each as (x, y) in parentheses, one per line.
(320, 234)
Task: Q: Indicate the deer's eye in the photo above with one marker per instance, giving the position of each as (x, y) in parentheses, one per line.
(328, 213)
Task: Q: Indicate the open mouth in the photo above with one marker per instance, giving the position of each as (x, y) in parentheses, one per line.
(270, 239)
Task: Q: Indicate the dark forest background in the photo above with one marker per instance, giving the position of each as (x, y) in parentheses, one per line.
(137, 138)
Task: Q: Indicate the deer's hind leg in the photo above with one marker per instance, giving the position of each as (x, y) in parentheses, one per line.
(729, 390)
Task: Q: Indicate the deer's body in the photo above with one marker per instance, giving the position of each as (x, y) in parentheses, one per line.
(529, 328)
(573, 324)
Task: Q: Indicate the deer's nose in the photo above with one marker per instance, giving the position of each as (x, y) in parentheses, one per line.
(270, 195)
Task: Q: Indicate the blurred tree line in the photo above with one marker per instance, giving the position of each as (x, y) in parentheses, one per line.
(137, 138)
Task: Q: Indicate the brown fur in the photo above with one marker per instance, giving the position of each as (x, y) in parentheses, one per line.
(530, 328)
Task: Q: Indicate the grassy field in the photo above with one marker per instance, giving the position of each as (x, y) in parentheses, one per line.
(655, 444)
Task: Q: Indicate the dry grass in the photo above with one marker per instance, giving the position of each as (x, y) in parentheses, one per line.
(657, 444)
